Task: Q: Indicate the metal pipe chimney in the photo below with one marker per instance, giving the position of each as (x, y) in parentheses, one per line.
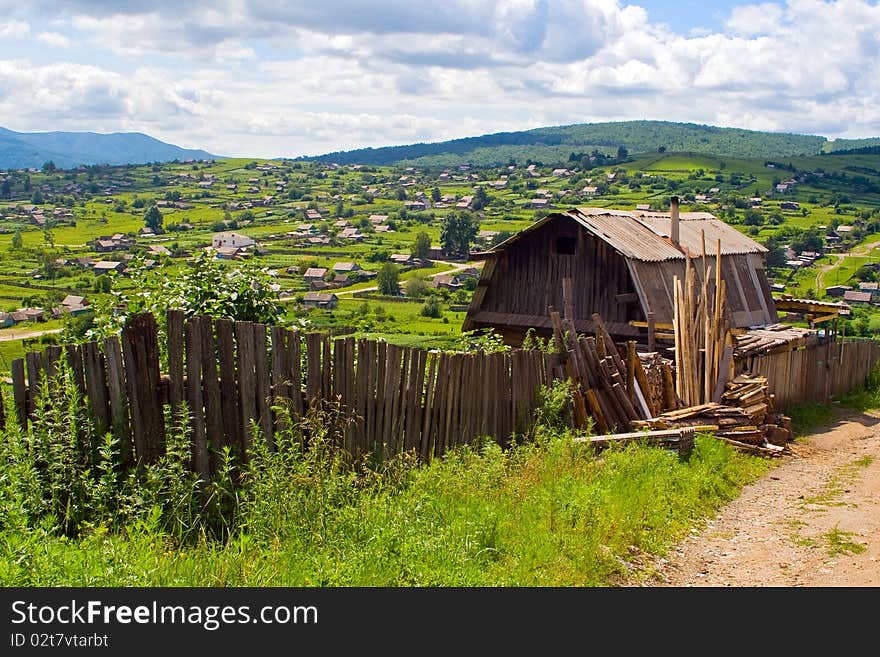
(674, 222)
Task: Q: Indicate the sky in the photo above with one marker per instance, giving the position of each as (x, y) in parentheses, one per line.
(268, 78)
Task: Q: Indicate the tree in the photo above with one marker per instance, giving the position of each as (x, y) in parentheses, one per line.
(153, 219)
(457, 233)
(388, 280)
(775, 253)
(422, 246)
(754, 218)
(6, 188)
(37, 197)
(16, 239)
(435, 195)
(49, 167)
(416, 287)
(480, 200)
(622, 153)
(431, 308)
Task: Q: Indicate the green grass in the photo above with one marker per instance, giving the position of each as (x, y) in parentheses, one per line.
(549, 513)
(840, 542)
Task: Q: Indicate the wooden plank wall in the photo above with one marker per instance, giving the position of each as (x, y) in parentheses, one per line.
(815, 373)
(232, 376)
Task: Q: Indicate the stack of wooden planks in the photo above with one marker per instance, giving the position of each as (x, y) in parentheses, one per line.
(772, 337)
(607, 385)
(703, 342)
(746, 418)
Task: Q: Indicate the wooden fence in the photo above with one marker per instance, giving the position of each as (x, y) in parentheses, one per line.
(816, 372)
(232, 373)
(391, 398)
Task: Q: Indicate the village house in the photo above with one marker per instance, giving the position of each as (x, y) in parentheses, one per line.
(346, 267)
(446, 282)
(158, 250)
(843, 231)
(837, 290)
(315, 274)
(622, 266)
(485, 237)
(404, 259)
(857, 297)
(230, 239)
(376, 219)
(325, 300)
(106, 266)
(351, 234)
(872, 288)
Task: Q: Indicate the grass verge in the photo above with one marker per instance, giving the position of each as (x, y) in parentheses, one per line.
(545, 513)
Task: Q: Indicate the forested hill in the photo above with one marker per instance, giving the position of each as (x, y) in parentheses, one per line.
(20, 150)
(553, 145)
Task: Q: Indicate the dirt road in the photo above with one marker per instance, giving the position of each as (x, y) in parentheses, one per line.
(813, 521)
(28, 334)
(456, 267)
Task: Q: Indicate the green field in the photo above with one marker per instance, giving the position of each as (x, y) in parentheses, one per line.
(108, 200)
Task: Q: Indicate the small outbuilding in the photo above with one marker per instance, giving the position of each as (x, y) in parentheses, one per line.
(622, 265)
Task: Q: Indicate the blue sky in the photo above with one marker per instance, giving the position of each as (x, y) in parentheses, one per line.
(687, 15)
(267, 78)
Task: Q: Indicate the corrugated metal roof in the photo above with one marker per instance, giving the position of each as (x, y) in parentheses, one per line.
(627, 235)
(645, 235)
(653, 244)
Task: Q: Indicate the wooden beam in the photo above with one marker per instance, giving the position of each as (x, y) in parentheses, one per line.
(665, 326)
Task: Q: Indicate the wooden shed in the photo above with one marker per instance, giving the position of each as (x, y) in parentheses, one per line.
(622, 264)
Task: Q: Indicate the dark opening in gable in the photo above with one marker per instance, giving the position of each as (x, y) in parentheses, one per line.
(565, 245)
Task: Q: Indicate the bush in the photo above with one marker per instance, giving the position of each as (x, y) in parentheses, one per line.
(432, 308)
(554, 411)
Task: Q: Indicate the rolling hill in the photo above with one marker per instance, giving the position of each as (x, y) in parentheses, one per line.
(554, 145)
(20, 150)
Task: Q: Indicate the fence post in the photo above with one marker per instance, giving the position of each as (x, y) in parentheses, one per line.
(140, 349)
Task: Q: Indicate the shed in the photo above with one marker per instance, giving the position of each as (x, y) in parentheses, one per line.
(622, 265)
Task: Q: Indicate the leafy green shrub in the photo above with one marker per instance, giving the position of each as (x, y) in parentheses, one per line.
(207, 288)
(554, 411)
(432, 308)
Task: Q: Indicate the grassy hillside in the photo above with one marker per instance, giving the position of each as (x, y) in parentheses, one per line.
(556, 144)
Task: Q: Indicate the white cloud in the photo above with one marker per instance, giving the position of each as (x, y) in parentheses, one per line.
(14, 30)
(53, 39)
(749, 20)
(263, 78)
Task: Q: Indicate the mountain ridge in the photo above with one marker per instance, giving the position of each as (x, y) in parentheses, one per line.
(22, 150)
(555, 144)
